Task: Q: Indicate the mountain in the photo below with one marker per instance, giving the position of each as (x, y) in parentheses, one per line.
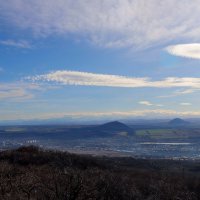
(178, 122)
(62, 133)
(114, 126)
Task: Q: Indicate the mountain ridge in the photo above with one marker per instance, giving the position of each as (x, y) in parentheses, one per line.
(114, 126)
(178, 122)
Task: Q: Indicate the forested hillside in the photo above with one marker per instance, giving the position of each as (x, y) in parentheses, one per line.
(34, 173)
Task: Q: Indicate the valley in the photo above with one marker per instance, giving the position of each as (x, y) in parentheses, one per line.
(112, 138)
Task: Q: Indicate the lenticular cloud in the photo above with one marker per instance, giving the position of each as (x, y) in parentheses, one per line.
(92, 79)
(185, 50)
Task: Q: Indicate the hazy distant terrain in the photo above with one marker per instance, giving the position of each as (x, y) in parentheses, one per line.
(173, 139)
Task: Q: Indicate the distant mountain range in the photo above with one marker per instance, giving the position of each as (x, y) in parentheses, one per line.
(67, 121)
(63, 133)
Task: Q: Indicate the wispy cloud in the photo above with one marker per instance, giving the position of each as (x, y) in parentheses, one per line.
(19, 43)
(185, 104)
(112, 23)
(180, 92)
(185, 50)
(188, 91)
(92, 79)
(147, 103)
(89, 79)
(17, 91)
(135, 113)
(156, 113)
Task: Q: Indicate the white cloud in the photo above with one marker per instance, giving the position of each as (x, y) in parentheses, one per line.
(19, 44)
(156, 113)
(108, 23)
(135, 113)
(185, 104)
(92, 79)
(185, 50)
(147, 103)
(159, 105)
(188, 91)
(17, 91)
(180, 92)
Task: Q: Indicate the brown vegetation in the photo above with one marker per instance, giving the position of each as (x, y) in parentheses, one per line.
(33, 173)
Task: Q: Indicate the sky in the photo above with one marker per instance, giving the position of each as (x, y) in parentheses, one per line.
(99, 59)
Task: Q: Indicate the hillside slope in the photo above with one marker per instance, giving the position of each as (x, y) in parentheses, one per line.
(33, 173)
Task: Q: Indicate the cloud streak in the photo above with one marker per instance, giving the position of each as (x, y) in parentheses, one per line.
(185, 50)
(112, 24)
(92, 79)
(17, 91)
(185, 104)
(180, 93)
(147, 103)
(18, 44)
(156, 113)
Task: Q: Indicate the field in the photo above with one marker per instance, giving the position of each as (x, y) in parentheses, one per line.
(168, 133)
(144, 141)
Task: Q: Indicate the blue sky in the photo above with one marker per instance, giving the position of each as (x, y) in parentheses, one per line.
(96, 59)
